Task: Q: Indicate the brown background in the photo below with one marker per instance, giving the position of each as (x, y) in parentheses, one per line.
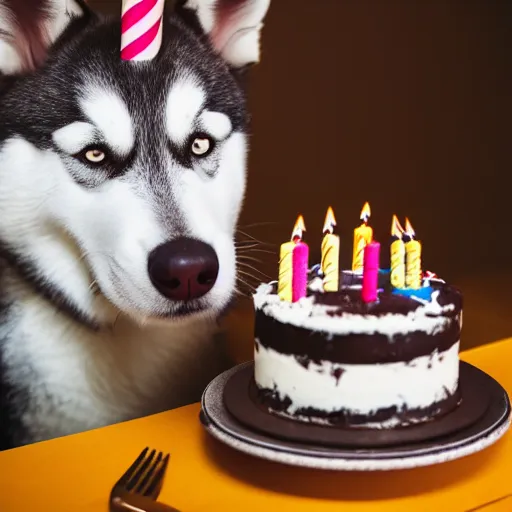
(404, 104)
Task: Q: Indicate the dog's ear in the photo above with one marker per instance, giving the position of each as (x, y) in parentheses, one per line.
(232, 26)
(28, 28)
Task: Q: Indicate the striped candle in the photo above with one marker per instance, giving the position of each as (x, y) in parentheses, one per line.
(141, 29)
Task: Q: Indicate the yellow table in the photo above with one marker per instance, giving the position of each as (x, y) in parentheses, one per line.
(75, 473)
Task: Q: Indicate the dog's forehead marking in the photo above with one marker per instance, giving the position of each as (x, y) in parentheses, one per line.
(109, 113)
(74, 137)
(217, 124)
(184, 102)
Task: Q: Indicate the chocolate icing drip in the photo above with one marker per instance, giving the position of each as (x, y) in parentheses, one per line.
(344, 418)
(353, 348)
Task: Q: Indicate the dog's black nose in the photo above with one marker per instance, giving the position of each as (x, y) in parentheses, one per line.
(183, 269)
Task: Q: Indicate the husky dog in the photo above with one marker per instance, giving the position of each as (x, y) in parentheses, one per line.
(121, 184)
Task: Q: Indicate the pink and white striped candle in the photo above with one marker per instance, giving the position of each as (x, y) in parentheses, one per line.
(141, 29)
(370, 272)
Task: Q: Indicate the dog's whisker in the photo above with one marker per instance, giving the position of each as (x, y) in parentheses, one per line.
(247, 242)
(239, 292)
(253, 238)
(262, 250)
(250, 267)
(251, 288)
(245, 257)
(248, 275)
(258, 224)
(246, 248)
(115, 320)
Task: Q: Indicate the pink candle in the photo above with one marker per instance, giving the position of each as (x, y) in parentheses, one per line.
(370, 272)
(300, 270)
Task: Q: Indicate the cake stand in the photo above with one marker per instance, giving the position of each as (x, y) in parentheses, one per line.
(486, 430)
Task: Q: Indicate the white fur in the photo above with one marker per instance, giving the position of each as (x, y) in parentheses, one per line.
(61, 13)
(109, 113)
(243, 47)
(217, 124)
(184, 103)
(205, 10)
(79, 379)
(10, 60)
(14, 53)
(237, 36)
(74, 137)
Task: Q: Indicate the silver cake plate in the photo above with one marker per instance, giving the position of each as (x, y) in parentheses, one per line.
(221, 425)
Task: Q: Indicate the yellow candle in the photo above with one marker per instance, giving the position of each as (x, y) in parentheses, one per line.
(397, 255)
(413, 259)
(363, 235)
(284, 284)
(285, 279)
(330, 254)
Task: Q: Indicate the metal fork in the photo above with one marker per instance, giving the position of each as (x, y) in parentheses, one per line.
(139, 487)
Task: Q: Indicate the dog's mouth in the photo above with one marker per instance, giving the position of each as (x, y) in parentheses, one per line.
(187, 309)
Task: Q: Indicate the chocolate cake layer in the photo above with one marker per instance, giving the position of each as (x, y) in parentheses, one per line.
(270, 401)
(318, 346)
(362, 348)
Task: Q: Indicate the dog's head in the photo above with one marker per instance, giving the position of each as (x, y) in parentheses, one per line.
(124, 176)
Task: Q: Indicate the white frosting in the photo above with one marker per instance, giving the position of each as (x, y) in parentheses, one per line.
(316, 285)
(428, 317)
(361, 388)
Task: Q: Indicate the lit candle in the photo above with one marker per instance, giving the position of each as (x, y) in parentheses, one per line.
(293, 265)
(370, 272)
(284, 283)
(300, 266)
(363, 235)
(330, 254)
(397, 255)
(413, 258)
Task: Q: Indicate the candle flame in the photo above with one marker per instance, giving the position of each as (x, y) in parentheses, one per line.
(365, 212)
(409, 229)
(396, 228)
(299, 228)
(330, 221)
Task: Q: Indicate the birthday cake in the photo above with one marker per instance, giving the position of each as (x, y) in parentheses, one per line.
(366, 348)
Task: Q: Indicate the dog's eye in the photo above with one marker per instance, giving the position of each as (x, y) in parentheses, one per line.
(201, 145)
(95, 155)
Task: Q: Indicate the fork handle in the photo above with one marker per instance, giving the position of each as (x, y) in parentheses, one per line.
(137, 504)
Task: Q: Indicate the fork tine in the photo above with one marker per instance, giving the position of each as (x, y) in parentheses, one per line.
(155, 486)
(129, 472)
(149, 473)
(140, 472)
